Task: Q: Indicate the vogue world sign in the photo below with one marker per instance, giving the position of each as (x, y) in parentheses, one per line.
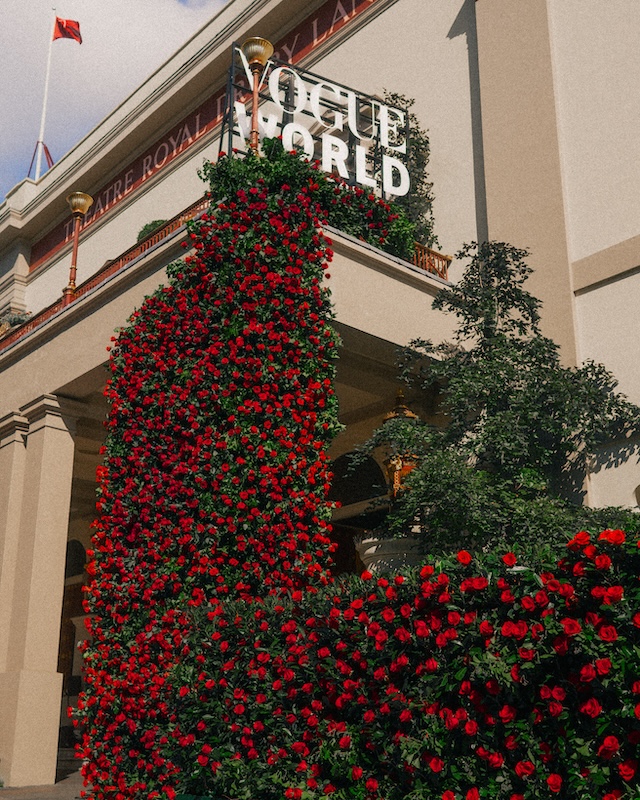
(358, 137)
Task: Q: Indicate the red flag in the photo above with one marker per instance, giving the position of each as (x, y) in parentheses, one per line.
(66, 29)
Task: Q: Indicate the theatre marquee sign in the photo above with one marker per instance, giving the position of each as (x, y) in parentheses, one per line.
(358, 137)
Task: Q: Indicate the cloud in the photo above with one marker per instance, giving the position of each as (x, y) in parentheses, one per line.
(123, 43)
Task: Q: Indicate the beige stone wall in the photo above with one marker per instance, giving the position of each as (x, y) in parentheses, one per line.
(166, 195)
(424, 49)
(608, 330)
(36, 456)
(596, 69)
(607, 317)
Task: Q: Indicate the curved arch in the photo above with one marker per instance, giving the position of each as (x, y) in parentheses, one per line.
(364, 482)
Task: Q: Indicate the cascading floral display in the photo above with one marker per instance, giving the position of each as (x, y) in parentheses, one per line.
(225, 661)
(215, 477)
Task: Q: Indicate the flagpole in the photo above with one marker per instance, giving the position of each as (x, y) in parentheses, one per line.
(40, 144)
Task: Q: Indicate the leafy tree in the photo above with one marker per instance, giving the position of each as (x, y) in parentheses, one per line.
(418, 204)
(521, 426)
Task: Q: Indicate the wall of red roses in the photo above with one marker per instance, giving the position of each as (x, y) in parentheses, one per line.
(225, 660)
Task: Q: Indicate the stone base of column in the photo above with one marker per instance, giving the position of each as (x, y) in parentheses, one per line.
(29, 727)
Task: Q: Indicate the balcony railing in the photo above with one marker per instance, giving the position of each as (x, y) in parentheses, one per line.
(424, 258)
(431, 261)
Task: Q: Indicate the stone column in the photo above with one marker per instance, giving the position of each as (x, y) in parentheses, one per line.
(13, 448)
(522, 159)
(35, 509)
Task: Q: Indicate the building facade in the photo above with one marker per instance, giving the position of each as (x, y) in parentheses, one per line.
(533, 142)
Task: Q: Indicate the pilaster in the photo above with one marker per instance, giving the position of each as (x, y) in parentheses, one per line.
(30, 687)
(523, 171)
(13, 449)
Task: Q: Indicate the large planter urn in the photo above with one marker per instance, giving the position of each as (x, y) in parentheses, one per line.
(389, 555)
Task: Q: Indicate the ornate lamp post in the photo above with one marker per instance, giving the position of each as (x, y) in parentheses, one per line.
(79, 203)
(257, 51)
(400, 465)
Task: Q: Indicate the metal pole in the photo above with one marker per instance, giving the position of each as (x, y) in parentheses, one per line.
(40, 144)
(254, 141)
(69, 291)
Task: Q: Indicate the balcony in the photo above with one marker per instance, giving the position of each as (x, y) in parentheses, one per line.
(425, 260)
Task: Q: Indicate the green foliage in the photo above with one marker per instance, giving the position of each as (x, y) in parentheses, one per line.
(349, 209)
(149, 228)
(521, 427)
(418, 204)
(13, 318)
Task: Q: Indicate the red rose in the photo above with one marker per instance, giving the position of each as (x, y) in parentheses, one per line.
(464, 557)
(524, 768)
(608, 633)
(555, 708)
(436, 764)
(554, 782)
(603, 666)
(614, 594)
(609, 747)
(356, 773)
(591, 707)
(561, 645)
(371, 785)
(571, 626)
(511, 742)
(344, 743)
(628, 769)
(587, 673)
(509, 559)
(472, 794)
(486, 628)
(507, 713)
(516, 629)
(613, 537)
(448, 795)
(579, 540)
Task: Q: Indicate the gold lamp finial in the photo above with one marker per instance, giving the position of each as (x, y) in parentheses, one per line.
(257, 50)
(79, 203)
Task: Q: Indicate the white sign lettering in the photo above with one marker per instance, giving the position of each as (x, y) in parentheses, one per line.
(336, 125)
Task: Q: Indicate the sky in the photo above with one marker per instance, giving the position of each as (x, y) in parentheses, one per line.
(123, 42)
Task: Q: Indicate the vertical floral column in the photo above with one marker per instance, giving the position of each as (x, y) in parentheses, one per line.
(215, 476)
